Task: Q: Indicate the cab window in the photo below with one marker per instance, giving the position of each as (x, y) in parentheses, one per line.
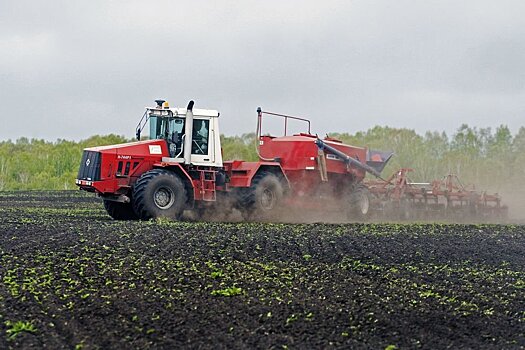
(164, 128)
(201, 135)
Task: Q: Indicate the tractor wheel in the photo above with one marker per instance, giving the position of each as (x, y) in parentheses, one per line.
(120, 211)
(159, 193)
(263, 198)
(359, 203)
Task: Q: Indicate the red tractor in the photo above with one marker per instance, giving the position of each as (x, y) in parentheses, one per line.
(180, 167)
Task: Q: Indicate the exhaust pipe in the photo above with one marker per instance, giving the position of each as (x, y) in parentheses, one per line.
(188, 132)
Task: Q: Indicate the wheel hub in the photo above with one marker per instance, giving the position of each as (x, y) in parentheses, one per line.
(164, 197)
(267, 199)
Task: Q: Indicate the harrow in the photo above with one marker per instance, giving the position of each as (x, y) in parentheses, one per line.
(398, 197)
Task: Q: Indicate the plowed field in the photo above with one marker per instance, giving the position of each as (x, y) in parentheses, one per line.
(72, 278)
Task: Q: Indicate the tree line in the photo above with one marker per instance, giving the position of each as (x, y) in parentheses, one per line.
(482, 156)
(491, 159)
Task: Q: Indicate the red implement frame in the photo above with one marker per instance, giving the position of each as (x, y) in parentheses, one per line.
(447, 198)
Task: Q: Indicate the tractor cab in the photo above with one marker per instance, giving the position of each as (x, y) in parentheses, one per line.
(192, 135)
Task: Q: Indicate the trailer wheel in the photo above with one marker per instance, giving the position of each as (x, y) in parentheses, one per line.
(263, 198)
(159, 193)
(120, 211)
(359, 203)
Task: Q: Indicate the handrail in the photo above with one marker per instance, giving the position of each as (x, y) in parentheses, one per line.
(141, 126)
(182, 146)
(258, 132)
(285, 116)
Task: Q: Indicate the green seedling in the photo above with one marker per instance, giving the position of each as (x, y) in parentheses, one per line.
(227, 292)
(15, 328)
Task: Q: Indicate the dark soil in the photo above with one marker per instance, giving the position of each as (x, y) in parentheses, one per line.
(84, 281)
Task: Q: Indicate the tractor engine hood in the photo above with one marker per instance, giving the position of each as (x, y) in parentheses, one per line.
(142, 149)
(104, 168)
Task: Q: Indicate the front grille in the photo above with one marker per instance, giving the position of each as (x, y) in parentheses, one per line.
(89, 166)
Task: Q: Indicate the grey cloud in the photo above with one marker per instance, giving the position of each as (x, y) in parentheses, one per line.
(90, 67)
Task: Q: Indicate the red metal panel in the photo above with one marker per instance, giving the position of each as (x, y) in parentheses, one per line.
(142, 153)
(299, 152)
(241, 173)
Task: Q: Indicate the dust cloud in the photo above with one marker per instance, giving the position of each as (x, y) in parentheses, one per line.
(512, 195)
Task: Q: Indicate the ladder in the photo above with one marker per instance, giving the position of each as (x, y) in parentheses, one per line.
(207, 182)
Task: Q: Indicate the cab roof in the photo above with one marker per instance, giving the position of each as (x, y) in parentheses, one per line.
(181, 112)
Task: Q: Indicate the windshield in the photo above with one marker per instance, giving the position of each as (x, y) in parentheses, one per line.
(166, 127)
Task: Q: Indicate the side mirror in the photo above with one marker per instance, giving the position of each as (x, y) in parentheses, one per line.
(138, 135)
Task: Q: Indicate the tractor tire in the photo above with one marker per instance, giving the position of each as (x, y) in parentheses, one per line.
(359, 206)
(263, 199)
(159, 193)
(120, 211)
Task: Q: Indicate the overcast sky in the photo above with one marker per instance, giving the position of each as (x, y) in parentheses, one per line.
(72, 69)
